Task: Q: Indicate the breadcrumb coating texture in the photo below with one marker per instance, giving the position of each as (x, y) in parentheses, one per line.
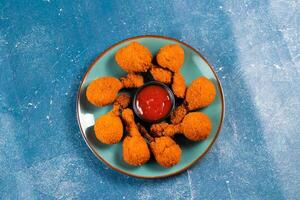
(135, 150)
(132, 81)
(103, 91)
(178, 85)
(200, 93)
(167, 152)
(178, 114)
(171, 57)
(161, 75)
(196, 126)
(134, 58)
(164, 129)
(108, 129)
(123, 100)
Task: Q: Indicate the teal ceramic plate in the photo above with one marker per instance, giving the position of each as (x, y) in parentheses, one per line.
(194, 65)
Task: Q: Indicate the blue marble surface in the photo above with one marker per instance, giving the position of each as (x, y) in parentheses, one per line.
(46, 46)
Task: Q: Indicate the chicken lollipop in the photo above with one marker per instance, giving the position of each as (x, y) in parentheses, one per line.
(165, 150)
(135, 148)
(199, 94)
(171, 57)
(195, 126)
(103, 91)
(109, 128)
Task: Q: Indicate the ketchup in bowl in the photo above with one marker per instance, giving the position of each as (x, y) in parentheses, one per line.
(153, 102)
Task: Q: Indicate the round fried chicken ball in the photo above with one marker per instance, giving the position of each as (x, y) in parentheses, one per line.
(109, 129)
(135, 150)
(167, 153)
(103, 91)
(200, 94)
(134, 58)
(196, 126)
(171, 57)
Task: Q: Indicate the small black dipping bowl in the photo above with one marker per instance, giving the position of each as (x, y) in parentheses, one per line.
(170, 93)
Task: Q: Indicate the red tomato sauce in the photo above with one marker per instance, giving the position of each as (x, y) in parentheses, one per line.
(153, 103)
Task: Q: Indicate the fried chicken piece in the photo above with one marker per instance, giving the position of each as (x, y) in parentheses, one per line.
(161, 75)
(200, 93)
(178, 85)
(195, 126)
(132, 81)
(171, 57)
(134, 58)
(135, 148)
(165, 129)
(109, 128)
(165, 150)
(121, 102)
(103, 91)
(178, 114)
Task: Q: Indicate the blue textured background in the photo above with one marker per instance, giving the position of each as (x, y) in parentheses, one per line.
(46, 46)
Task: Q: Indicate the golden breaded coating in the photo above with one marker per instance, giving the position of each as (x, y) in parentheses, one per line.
(121, 102)
(103, 91)
(135, 148)
(178, 85)
(161, 75)
(200, 93)
(134, 58)
(167, 153)
(132, 81)
(164, 129)
(128, 118)
(196, 126)
(108, 129)
(159, 129)
(165, 150)
(178, 114)
(171, 57)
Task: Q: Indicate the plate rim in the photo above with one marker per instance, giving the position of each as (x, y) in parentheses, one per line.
(131, 174)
